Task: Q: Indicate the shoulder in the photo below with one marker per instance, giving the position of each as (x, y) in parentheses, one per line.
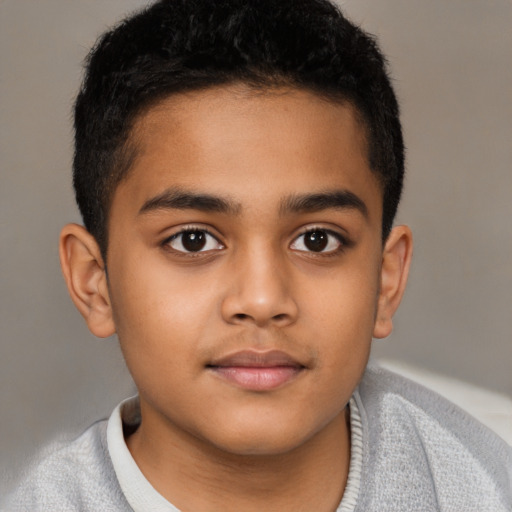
(71, 476)
(419, 441)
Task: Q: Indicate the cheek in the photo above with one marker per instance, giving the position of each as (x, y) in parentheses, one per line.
(158, 313)
(343, 302)
(342, 314)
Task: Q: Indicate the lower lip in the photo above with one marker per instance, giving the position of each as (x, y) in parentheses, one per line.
(256, 378)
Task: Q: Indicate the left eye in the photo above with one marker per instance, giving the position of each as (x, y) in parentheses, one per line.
(318, 240)
(193, 240)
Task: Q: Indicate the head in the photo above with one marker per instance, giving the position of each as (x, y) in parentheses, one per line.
(187, 45)
(238, 166)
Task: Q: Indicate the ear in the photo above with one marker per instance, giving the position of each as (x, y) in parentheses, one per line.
(86, 279)
(396, 260)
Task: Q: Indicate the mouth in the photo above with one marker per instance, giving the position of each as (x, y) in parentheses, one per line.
(257, 371)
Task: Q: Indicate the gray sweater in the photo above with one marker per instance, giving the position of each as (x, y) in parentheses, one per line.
(411, 451)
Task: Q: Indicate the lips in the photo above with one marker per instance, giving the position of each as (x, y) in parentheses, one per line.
(257, 371)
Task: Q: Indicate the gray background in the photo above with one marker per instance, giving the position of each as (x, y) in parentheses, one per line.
(451, 61)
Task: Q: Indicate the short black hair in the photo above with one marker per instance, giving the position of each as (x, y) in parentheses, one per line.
(176, 46)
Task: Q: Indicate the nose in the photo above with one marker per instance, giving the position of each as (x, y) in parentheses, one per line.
(259, 292)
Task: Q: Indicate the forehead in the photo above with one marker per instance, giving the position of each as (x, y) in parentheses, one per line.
(236, 141)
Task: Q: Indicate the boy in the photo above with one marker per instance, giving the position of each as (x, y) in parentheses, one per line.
(238, 167)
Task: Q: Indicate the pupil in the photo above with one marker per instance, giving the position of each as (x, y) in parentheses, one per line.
(316, 240)
(193, 240)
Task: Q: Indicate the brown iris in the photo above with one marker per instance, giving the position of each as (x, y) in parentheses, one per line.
(316, 240)
(193, 241)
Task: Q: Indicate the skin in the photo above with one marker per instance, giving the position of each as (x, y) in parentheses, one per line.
(257, 286)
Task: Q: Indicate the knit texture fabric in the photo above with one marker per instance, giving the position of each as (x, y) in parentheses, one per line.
(416, 452)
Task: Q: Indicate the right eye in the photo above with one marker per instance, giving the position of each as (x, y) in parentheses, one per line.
(193, 241)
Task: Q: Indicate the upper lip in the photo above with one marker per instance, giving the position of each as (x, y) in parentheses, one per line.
(256, 359)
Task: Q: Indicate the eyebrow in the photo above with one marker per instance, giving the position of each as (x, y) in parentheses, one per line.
(178, 199)
(310, 203)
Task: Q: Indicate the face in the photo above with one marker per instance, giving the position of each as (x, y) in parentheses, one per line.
(244, 266)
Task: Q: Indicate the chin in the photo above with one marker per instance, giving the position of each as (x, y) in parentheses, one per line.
(246, 441)
(262, 447)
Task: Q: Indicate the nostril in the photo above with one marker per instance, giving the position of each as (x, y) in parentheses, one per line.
(244, 317)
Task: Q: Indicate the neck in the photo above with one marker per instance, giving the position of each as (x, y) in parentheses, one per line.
(194, 475)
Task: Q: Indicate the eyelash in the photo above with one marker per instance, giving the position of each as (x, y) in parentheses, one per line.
(344, 243)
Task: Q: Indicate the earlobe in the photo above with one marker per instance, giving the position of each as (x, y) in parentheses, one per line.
(85, 275)
(396, 260)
